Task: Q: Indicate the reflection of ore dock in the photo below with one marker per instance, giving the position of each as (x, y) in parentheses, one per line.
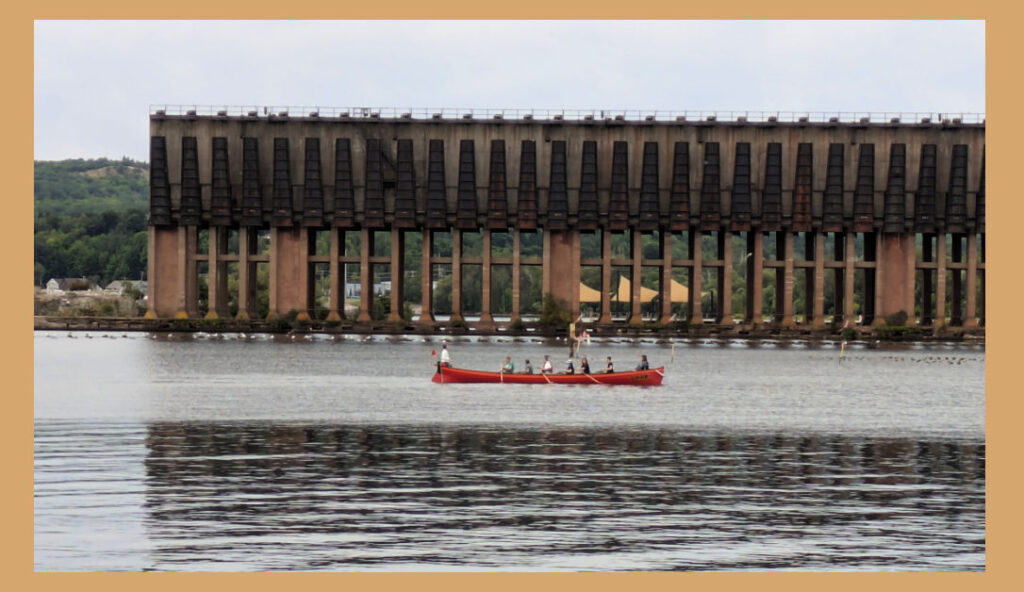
(651, 377)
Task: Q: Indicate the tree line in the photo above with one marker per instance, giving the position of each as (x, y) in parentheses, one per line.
(90, 219)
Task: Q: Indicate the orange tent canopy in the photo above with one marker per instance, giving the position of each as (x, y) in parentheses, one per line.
(588, 294)
(680, 293)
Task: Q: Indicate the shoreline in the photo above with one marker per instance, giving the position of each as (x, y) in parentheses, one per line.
(712, 331)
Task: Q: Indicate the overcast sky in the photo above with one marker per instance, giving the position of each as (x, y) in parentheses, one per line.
(95, 80)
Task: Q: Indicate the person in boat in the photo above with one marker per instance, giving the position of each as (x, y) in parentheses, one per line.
(569, 368)
(609, 367)
(643, 365)
(584, 365)
(546, 367)
(527, 368)
(446, 357)
(508, 367)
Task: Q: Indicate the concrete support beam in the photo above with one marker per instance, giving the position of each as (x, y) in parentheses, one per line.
(696, 272)
(957, 316)
(666, 277)
(725, 278)
(849, 257)
(457, 275)
(882, 308)
(397, 275)
(426, 282)
(486, 319)
(818, 321)
(971, 318)
(755, 277)
(940, 280)
(246, 274)
(606, 278)
(217, 281)
(188, 294)
(636, 251)
(156, 288)
(365, 276)
(927, 288)
(811, 290)
(787, 280)
(516, 280)
(335, 306)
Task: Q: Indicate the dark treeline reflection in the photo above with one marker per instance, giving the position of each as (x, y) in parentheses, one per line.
(310, 497)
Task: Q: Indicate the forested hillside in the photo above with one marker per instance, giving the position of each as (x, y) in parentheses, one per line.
(90, 219)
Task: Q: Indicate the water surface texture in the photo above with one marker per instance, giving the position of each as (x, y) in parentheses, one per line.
(257, 453)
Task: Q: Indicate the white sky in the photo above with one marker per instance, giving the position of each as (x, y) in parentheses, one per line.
(95, 80)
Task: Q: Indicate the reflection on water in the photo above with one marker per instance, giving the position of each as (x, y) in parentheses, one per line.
(250, 454)
(264, 496)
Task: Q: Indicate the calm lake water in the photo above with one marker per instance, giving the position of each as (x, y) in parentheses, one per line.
(256, 453)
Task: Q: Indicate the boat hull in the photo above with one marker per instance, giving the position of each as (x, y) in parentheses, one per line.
(650, 377)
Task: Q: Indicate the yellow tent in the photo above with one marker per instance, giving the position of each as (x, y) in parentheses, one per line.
(680, 293)
(588, 294)
(646, 294)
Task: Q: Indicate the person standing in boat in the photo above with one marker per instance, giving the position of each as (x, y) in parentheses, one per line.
(609, 367)
(527, 368)
(446, 357)
(643, 365)
(508, 367)
(546, 367)
(584, 365)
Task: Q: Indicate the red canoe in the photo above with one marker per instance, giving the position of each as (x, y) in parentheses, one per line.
(650, 377)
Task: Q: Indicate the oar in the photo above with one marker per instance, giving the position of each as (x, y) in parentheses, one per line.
(591, 377)
(546, 377)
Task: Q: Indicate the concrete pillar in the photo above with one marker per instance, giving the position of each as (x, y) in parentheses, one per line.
(274, 242)
(457, 274)
(849, 257)
(725, 278)
(486, 319)
(188, 292)
(546, 263)
(787, 279)
(839, 287)
(971, 318)
(818, 321)
(696, 298)
(636, 250)
(981, 271)
(574, 272)
(909, 276)
(957, 317)
(426, 281)
(245, 274)
(810, 289)
(299, 294)
(606, 277)
(217, 279)
(397, 274)
(289, 272)
(365, 276)
(155, 284)
(515, 275)
(881, 307)
(940, 280)
(666, 276)
(927, 306)
(336, 289)
(755, 276)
